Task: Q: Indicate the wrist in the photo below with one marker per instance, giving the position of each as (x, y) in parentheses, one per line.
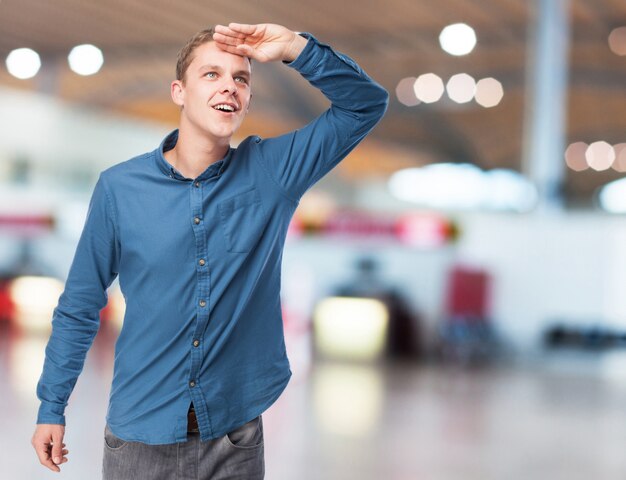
(295, 47)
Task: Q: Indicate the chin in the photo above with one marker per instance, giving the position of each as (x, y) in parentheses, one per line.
(220, 135)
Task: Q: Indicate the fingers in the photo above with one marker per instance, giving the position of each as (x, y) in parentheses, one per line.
(228, 48)
(43, 453)
(49, 447)
(64, 459)
(234, 46)
(245, 50)
(57, 442)
(242, 28)
(228, 32)
(226, 39)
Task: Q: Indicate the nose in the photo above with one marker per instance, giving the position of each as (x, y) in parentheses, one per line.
(229, 86)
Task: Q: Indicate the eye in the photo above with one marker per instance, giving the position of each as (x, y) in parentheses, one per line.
(241, 80)
(210, 75)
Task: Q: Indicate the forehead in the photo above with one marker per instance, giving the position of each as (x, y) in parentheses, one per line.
(210, 54)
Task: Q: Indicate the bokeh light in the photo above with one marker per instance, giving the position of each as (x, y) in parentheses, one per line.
(600, 155)
(429, 88)
(463, 187)
(351, 328)
(508, 190)
(405, 92)
(489, 92)
(620, 157)
(85, 59)
(23, 63)
(575, 156)
(612, 196)
(458, 39)
(35, 299)
(461, 88)
(617, 41)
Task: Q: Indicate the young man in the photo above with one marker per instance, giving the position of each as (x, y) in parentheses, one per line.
(195, 231)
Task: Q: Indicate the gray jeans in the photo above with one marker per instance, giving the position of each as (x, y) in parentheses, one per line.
(237, 455)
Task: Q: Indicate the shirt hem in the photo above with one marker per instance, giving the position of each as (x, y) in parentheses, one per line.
(169, 439)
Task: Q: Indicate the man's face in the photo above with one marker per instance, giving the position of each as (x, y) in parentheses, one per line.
(215, 94)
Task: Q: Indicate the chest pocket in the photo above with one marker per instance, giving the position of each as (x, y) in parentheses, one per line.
(243, 220)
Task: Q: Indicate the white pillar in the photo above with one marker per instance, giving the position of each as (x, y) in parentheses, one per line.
(546, 101)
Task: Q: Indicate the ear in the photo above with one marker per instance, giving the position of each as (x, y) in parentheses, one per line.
(177, 91)
(249, 102)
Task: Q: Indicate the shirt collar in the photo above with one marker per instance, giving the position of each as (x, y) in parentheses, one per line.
(169, 142)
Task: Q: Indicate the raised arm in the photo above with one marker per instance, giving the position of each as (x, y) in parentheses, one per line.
(296, 160)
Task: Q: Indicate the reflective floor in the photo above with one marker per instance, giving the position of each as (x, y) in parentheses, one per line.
(557, 417)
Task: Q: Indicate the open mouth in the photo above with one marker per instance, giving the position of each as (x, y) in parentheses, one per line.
(225, 107)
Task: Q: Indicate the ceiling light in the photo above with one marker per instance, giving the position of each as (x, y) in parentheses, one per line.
(23, 63)
(458, 39)
(405, 91)
(85, 59)
(489, 92)
(461, 87)
(428, 88)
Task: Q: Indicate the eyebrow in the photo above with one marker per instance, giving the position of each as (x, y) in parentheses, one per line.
(210, 67)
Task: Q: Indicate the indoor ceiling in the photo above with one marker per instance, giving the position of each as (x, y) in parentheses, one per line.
(391, 40)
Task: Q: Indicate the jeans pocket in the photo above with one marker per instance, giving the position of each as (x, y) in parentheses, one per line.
(249, 435)
(111, 441)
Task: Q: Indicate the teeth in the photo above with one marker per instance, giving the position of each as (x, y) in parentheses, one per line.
(225, 108)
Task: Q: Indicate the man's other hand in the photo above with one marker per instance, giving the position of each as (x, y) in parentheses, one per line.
(48, 443)
(265, 42)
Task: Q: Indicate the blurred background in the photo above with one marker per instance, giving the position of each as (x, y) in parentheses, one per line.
(453, 292)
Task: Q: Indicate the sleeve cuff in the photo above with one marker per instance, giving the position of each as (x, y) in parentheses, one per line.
(305, 57)
(51, 413)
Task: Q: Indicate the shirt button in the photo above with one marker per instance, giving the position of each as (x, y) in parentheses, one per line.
(197, 184)
(192, 384)
(202, 303)
(201, 262)
(196, 220)
(196, 343)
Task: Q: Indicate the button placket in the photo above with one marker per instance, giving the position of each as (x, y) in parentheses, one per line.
(203, 285)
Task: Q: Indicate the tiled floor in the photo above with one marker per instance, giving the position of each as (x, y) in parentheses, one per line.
(554, 418)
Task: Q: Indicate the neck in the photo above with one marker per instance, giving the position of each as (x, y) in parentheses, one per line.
(194, 152)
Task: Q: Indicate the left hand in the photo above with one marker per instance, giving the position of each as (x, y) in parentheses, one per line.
(265, 42)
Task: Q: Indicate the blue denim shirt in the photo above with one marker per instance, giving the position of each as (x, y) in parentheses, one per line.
(199, 264)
